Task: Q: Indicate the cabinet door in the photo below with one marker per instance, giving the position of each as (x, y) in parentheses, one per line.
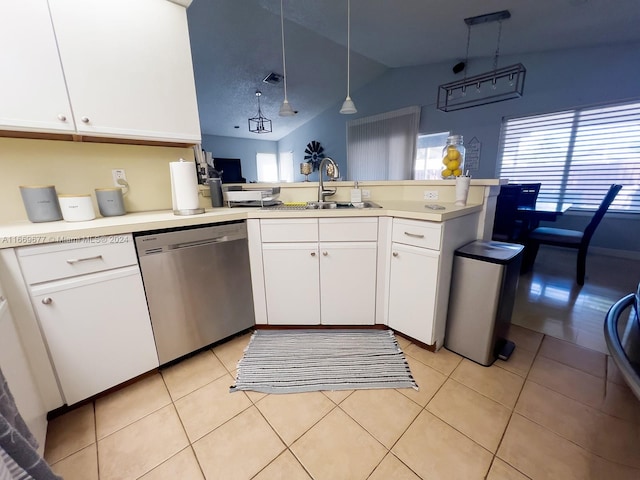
(128, 68)
(291, 281)
(412, 291)
(33, 94)
(97, 329)
(348, 283)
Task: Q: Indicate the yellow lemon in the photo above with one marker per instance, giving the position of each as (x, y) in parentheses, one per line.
(446, 173)
(457, 172)
(453, 154)
(445, 160)
(453, 164)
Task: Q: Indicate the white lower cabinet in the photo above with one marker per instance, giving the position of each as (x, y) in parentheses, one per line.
(291, 282)
(412, 287)
(95, 322)
(348, 283)
(317, 271)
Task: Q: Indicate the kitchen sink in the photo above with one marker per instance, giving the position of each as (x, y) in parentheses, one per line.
(324, 205)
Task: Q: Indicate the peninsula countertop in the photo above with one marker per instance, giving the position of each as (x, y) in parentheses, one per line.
(18, 234)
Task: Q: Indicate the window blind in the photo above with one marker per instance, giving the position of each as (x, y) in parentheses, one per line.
(576, 154)
(383, 147)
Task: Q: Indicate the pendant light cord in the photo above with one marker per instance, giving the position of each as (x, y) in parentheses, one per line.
(284, 61)
(348, 46)
(495, 59)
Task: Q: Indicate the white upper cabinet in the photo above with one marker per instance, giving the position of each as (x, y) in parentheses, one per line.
(33, 96)
(127, 67)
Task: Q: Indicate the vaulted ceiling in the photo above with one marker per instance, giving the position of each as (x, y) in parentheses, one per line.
(236, 43)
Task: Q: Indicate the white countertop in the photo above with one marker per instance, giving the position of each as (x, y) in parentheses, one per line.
(24, 233)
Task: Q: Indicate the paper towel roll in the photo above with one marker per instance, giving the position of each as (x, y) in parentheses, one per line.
(184, 188)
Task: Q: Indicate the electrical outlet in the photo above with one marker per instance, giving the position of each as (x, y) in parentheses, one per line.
(366, 193)
(118, 174)
(431, 195)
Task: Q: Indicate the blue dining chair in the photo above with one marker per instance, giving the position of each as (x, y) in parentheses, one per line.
(560, 237)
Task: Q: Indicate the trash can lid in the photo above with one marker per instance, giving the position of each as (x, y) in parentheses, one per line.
(493, 252)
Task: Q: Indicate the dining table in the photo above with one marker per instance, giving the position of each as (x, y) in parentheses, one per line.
(541, 212)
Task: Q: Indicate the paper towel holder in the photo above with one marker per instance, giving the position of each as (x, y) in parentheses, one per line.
(189, 211)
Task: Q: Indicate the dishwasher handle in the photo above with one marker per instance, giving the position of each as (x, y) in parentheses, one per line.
(198, 243)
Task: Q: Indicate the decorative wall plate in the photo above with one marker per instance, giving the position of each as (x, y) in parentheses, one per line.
(313, 154)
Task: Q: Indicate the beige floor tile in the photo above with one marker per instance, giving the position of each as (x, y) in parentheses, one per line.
(428, 380)
(285, 467)
(384, 413)
(562, 415)
(613, 372)
(392, 468)
(402, 341)
(70, 433)
(603, 469)
(210, 406)
(182, 465)
(594, 341)
(503, 471)
(337, 396)
(493, 382)
(525, 338)
(541, 454)
(617, 441)
(131, 403)
(589, 361)
(141, 446)
(619, 401)
(255, 397)
(230, 353)
(435, 450)
(337, 447)
(569, 381)
(239, 449)
(292, 414)
(519, 362)
(481, 419)
(82, 465)
(193, 373)
(443, 360)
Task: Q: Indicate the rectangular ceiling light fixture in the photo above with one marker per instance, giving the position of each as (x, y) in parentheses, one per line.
(490, 87)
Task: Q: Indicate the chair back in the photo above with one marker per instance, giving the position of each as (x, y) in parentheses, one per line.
(602, 209)
(504, 224)
(529, 194)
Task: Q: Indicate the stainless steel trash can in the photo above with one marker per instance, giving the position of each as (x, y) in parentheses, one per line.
(483, 289)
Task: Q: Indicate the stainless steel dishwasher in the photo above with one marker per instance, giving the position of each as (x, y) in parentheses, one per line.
(198, 286)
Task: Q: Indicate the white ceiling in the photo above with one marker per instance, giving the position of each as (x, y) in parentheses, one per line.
(236, 43)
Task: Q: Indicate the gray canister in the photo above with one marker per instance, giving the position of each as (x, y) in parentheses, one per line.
(215, 186)
(110, 201)
(41, 203)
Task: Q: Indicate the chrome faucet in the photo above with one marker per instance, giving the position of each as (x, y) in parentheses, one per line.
(333, 174)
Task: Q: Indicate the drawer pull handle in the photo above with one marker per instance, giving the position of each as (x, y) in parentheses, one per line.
(71, 261)
(413, 235)
(395, 254)
(313, 254)
(47, 300)
(325, 253)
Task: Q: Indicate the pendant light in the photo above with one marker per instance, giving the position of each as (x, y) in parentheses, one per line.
(348, 107)
(285, 109)
(260, 123)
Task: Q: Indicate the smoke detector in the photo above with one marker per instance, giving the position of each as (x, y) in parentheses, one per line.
(273, 78)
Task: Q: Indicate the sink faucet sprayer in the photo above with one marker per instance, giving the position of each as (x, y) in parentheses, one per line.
(322, 193)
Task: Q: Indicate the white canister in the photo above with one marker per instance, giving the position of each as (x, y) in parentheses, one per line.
(76, 208)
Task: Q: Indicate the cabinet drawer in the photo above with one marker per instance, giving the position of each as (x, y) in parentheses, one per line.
(361, 229)
(43, 263)
(289, 230)
(417, 233)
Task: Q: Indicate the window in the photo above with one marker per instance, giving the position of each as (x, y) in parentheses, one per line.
(576, 154)
(286, 167)
(428, 164)
(267, 166)
(382, 147)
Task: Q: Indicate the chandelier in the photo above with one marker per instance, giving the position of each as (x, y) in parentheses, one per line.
(494, 86)
(260, 124)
